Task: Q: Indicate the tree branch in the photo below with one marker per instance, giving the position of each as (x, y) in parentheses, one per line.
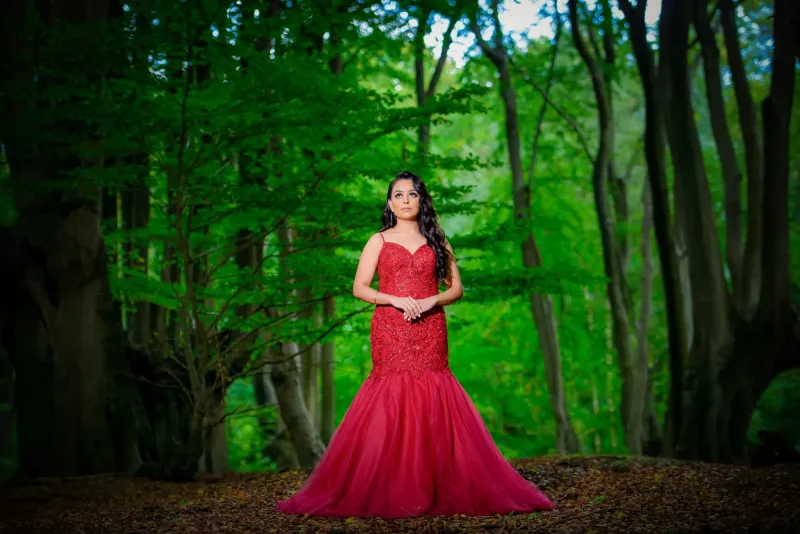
(753, 156)
(548, 85)
(437, 73)
(493, 55)
(498, 29)
(419, 56)
(571, 122)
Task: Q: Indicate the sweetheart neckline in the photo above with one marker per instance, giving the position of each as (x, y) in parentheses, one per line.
(404, 248)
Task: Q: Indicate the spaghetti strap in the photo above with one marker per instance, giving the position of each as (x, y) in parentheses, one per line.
(381, 234)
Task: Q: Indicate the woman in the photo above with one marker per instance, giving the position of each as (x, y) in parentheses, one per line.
(412, 442)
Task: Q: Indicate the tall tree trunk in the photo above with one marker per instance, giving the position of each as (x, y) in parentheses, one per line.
(423, 94)
(286, 379)
(249, 257)
(279, 447)
(136, 216)
(7, 410)
(656, 171)
(310, 366)
(58, 344)
(732, 359)
(727, 154)
(684, 275)
(541, 305)
(327, 410)
(747, 298)
(713, 336)
(135, 204)
(633, 370)
(311, 353)
(282, 368)
(424, 130)
(652, 446)
(215, 442)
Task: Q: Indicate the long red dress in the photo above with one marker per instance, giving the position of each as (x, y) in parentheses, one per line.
(412, 442)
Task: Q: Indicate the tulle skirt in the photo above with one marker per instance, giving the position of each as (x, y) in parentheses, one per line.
(409, 446)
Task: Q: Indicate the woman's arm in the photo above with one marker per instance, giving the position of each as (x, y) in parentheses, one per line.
(454, 290)
(366, 272)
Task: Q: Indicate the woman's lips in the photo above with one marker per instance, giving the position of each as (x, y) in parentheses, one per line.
(406, 209)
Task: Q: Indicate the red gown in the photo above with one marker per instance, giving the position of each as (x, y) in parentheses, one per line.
(412, 442)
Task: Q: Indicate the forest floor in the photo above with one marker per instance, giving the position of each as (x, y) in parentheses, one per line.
(592, 494)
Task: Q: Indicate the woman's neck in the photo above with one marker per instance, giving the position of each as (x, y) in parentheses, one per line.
(409, 227)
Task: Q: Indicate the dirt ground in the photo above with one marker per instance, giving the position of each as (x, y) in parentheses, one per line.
(592, 494)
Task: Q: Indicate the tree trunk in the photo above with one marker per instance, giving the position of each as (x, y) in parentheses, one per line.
(328, 413)
(7, 410)
(732, 360)
(713, 336)
(68, 305)
(541, 305)
(656, 172)
(424, 130)
(747, 299)
(286, 379)
(136, 216)
(727, 154)
(423, 94)
(58, 342)
(215, 442)
(652, 445)
(172, 446)
(312, 371)
(684, 276)
(26, 342)
(279, 447)
(311, 356)
(633, 370)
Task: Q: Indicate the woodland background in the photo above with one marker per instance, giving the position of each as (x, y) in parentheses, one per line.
(185, 189)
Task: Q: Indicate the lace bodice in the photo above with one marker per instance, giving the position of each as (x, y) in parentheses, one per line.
(403, 273)
(398, 345)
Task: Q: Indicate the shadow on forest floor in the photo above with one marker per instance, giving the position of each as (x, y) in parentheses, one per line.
(592, 494)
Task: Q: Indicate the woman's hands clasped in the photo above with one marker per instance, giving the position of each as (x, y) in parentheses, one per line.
(413, 308)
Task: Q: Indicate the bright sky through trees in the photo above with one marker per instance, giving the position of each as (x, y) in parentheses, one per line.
(519, 18)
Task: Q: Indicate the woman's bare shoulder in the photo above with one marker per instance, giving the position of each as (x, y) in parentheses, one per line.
(375, 239)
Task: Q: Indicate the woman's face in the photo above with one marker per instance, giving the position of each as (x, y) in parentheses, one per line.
(404, 200)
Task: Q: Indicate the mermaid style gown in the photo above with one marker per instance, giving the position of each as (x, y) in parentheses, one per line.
(412, 442)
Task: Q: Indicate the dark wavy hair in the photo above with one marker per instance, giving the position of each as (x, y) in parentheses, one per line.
(428, 223)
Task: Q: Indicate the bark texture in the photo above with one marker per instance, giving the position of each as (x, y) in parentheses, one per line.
(634, 371)
(541, 304)
(285, 374)
(741, 338)
(655, 157)
(61, 329)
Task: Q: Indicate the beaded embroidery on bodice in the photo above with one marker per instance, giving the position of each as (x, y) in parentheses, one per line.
(399, 345)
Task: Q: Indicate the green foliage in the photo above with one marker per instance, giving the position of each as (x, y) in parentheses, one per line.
(778, 408)
(231, 137)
